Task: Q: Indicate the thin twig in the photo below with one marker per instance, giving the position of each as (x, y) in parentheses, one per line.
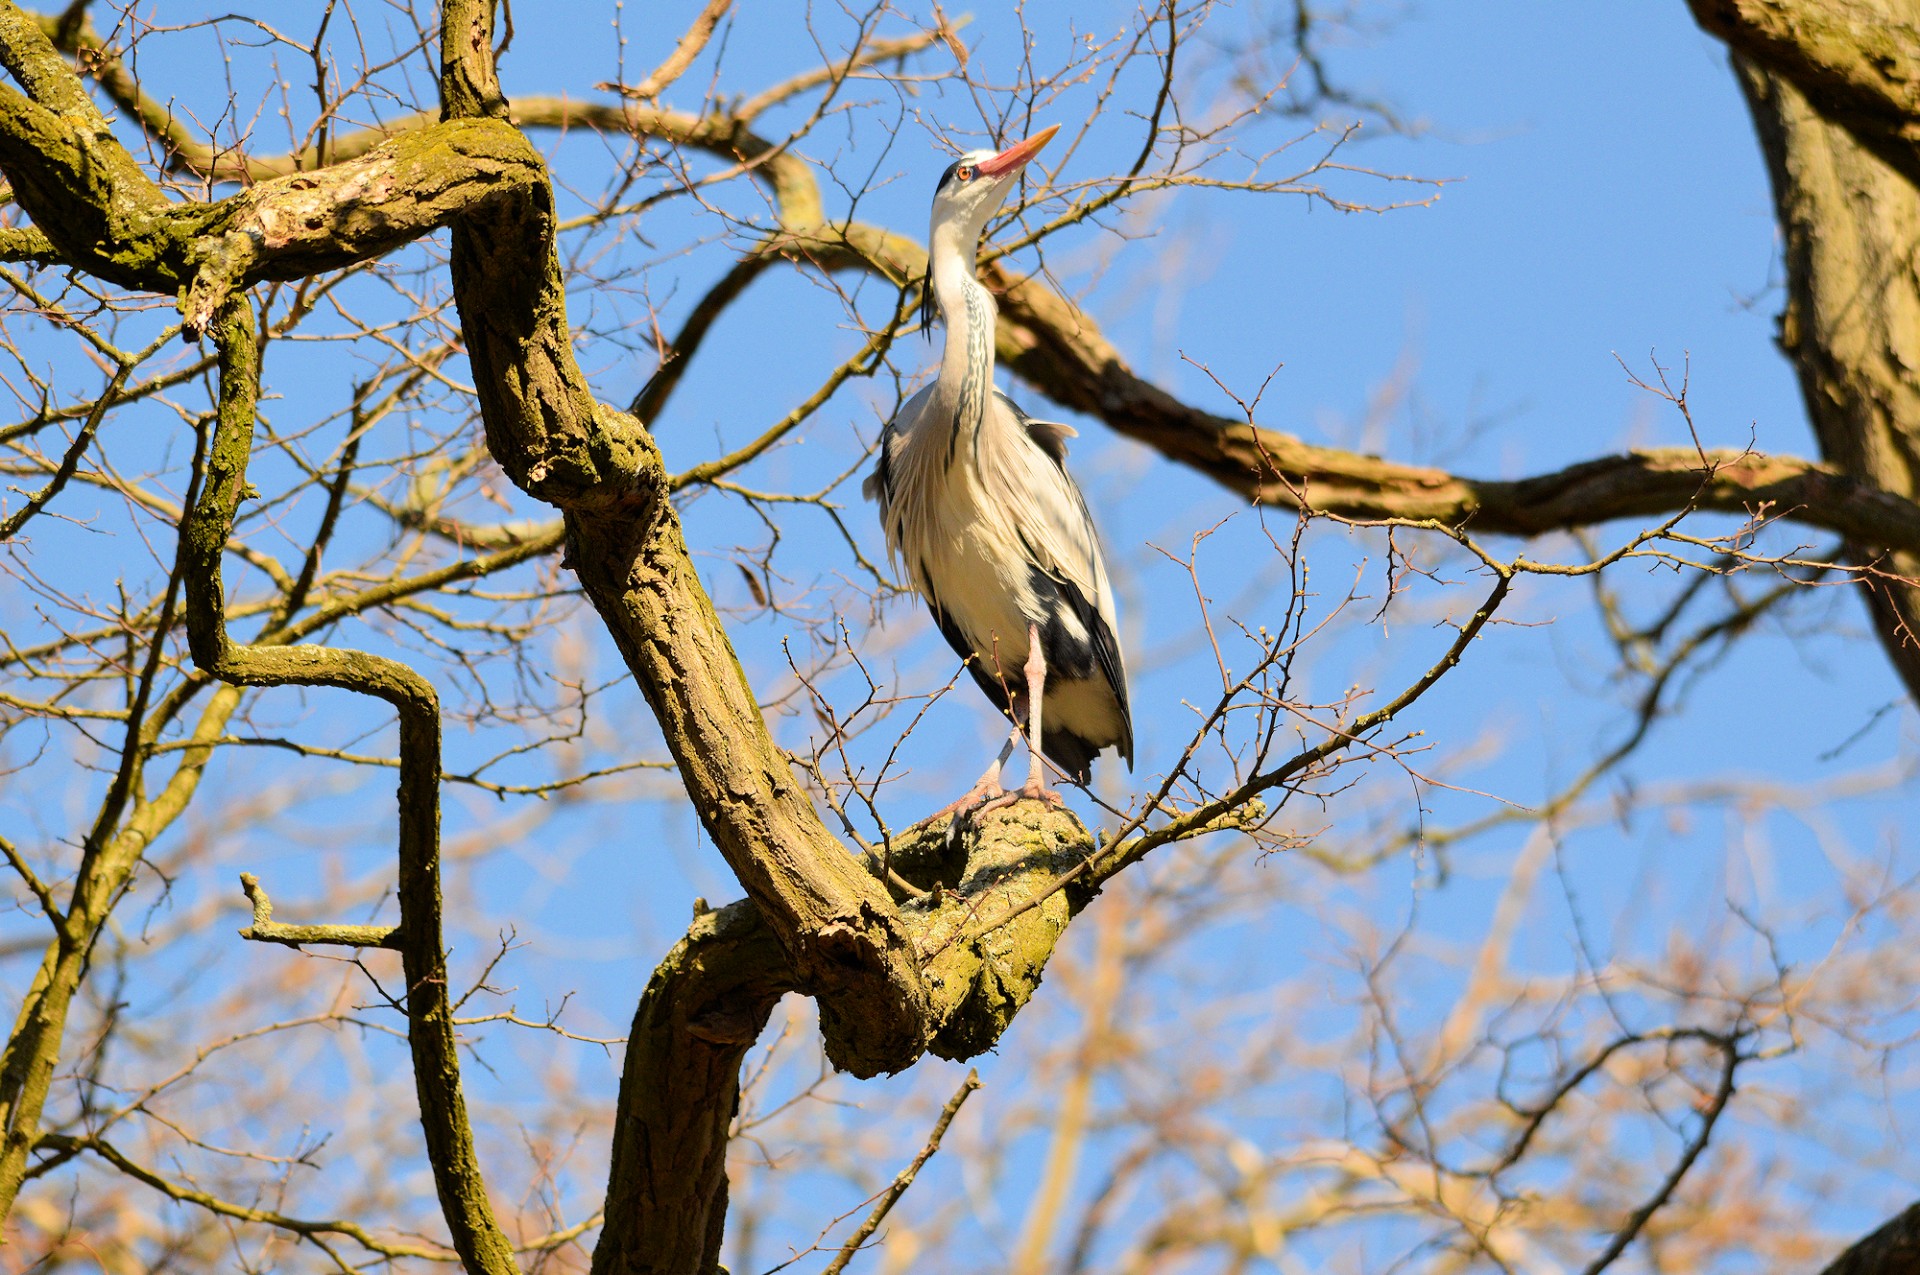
(905, 1179)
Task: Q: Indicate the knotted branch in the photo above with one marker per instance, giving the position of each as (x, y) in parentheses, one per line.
(708, 1001)
(264, 929)
(600, 466)
(477, 1236)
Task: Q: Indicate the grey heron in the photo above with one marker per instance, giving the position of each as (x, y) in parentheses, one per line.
(977, 504)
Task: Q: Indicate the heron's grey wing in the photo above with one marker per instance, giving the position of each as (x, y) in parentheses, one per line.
(1052, 436)
(879, 484)
(1060, 536)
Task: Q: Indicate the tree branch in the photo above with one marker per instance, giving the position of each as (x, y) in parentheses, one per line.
(476, 1235)
(1851, 325)
(1060, 350)
(710, 998)
(264, 929)
(1894, 1249)
(1856, 61)
(703, 1008)
(604, 471)
(1042, 337)
(904, 1179)
(683, 54)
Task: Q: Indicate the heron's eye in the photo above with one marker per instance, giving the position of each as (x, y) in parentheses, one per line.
(964, 172)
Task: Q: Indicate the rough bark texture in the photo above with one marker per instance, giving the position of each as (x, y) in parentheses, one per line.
(1851, 226)
(708, 1001)
(75, 181)
(1856, 61)
(476, 1233)
(705, 1006)
(949, 971)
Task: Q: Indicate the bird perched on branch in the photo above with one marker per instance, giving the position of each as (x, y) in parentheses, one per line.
(977, 503)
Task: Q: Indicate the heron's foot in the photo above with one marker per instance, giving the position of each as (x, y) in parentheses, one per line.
(977, 798)
(1032, 790)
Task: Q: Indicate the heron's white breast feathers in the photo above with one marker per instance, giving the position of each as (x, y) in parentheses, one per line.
(971, 532)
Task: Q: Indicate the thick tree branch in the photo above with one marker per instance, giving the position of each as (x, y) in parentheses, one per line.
(477, 1236)
(1857, 62)
(703, 1009)
(1852, 324)
(24, 243)
(292, 227)
(102, 209)
(81, 152)
(709, 999)
(1060, 350)
(392, 186)
(365, 206)
(603, 470)
(1894, 1249)
(352, 211)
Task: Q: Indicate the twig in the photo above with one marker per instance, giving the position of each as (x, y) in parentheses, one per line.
(267, 930)
(905, 1178)
(683, 54)
(1731, 1058)
(41, 893)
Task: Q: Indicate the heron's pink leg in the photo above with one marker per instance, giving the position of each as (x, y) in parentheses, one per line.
(1035, 788)
(986, 793)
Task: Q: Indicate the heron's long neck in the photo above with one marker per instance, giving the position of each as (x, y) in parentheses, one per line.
(966, 368)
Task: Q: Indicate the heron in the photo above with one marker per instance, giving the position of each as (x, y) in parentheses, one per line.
(993, 533)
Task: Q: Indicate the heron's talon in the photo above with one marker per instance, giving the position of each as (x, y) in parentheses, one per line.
(1029, 791)
(980, 797)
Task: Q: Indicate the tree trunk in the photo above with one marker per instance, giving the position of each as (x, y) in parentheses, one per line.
(1894, 1249)
(1851, 226)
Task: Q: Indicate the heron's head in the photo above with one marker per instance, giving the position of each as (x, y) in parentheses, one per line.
(974, 185)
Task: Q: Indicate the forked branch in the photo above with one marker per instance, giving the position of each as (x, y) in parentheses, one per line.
(477, 1236)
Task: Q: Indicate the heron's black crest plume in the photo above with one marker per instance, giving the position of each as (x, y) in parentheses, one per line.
(926, 303)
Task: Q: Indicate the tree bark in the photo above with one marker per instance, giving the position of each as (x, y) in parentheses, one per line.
(704, 1007)
(985, 930)
(602, 469)
(1894, 1249)
(1856, 61)
(1851, 227)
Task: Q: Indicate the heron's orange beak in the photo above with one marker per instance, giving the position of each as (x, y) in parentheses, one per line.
(1014, 157)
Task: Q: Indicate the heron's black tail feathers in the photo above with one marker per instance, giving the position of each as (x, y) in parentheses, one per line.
(1070, 753)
